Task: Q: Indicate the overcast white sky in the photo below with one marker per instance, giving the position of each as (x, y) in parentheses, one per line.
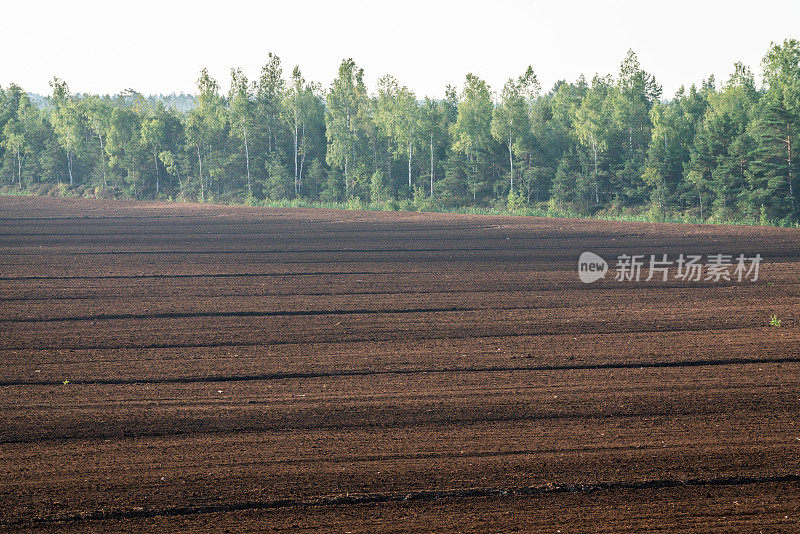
(160, 46)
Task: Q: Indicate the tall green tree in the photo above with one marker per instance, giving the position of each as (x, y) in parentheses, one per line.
(299, 107)
(14, 142)
(593, 124)
(241, 109)
(161, 135)
(435, 120)
(97, 111)
(269, 97)
(778, 122)
(472, 130)
(511, 118)
(205, 129)
(124, 140)
(346, 114)
(66, 120)
(385, 117)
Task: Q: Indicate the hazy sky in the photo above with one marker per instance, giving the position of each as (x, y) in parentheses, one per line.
(160, 46)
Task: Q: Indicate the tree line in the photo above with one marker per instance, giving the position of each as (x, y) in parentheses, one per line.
(609, 145)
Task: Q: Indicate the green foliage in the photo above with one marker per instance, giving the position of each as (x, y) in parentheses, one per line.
(354, 203)
(333, 187)
(774, 321)
(278, 181)
(606, 148)
(511, 118)
(421, 200)
(515, 202)
(378, 191)
(345, 120)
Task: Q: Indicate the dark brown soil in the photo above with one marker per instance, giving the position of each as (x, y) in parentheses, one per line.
(189, 367)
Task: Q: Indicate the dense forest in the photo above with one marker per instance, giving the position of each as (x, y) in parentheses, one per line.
(612, 145)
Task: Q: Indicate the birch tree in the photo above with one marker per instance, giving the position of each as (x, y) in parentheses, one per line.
(124, 142)
(297, 103)
(65, 118)
(13, 141)
(269, 95)
(407, 126)
(511, 118)
(98, 116)
(592, 125)
(779, 119)
(434, 125)
(205, 128)
(346, 112)
(240, 101)
(385, 117)
(472, 129)
(160, 129)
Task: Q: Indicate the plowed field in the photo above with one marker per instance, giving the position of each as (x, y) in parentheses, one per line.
(191, 367)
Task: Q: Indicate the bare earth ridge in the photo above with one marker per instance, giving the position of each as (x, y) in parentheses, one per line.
(193, 367)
